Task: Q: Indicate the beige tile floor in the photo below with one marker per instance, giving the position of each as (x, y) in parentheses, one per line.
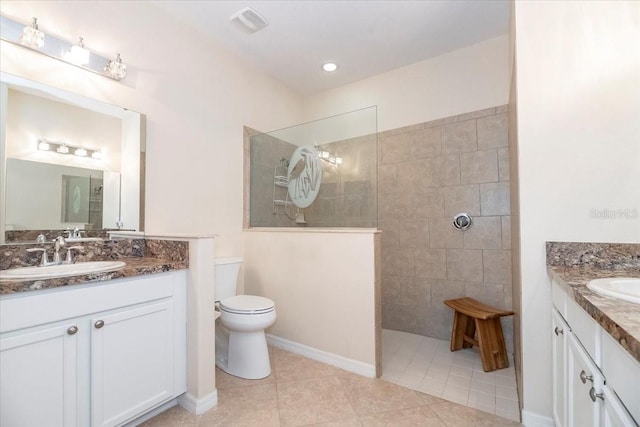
(427, 365)
(302, 392)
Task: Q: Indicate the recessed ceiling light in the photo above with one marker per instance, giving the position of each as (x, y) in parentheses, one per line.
(330, 67)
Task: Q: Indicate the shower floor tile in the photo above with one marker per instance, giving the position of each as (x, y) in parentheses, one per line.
(427, 365)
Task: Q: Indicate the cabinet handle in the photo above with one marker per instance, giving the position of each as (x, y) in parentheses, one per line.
(584, 377)
(72, 330)
(558, 331)
(593, 395)
(99, 324)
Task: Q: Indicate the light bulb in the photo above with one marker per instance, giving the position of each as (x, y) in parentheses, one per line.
(63, 149)
(31, 36)
(77, 54)
(116, 68)
(80, 152)
(96, 155)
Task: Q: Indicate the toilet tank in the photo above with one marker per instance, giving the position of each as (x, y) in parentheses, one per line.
(226, 276)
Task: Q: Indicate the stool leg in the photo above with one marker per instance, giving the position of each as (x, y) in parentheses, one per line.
(470, 332)
(491, 344)
(461, 325)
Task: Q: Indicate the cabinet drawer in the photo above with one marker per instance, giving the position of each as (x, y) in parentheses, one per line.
(586, 330)
(37, 308)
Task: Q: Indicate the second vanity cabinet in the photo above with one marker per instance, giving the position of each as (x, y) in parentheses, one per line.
(587, 391)
(93, 355)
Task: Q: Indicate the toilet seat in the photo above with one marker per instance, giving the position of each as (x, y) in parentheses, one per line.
(247, 304)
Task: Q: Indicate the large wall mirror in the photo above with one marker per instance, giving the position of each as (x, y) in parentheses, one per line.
(44, 188)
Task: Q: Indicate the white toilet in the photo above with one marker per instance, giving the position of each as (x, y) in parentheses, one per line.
(241, 346)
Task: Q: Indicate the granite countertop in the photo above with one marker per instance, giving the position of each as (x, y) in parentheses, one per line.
(621, 319)
(135, 266)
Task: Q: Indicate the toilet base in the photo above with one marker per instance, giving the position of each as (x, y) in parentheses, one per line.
(248, 355)
(242, 354)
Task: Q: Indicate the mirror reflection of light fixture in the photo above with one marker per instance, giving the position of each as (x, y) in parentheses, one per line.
(78, 54)
(43, 145)
(329, 157)
(64, 148)
(31, 36)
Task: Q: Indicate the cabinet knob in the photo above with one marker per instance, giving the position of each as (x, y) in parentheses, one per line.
(584, 377)
(558, 331)
(593, 395)
(72, 330)
(99, 324)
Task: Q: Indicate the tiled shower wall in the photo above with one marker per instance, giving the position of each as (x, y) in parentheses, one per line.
(427, 173)
(347, 197)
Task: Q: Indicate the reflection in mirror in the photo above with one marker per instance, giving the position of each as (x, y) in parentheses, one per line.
(45, 185)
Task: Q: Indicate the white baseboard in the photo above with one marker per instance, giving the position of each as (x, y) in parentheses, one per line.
(531, 419)
(341, 362)
(198, 406)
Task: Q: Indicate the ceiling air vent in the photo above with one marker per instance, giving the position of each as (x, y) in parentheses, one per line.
(249, 20)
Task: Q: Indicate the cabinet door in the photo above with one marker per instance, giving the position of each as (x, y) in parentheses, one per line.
(38, 373)
(131, 362)
(559, 350)
(582, 376)
(614, 414)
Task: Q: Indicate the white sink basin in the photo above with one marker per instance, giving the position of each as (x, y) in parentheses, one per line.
(627, 289)
(61, 270)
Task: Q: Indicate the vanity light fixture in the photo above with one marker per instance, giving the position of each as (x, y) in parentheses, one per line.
(81, 152)
(78, 54)
(32, 37)
(96, 155)
(62, 149)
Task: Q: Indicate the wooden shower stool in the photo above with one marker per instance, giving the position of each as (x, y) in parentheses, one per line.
(471, 316)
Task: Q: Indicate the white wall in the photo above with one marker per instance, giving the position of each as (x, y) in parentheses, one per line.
(457, 82)
(578, 85)
(323, 286)
(196, 97)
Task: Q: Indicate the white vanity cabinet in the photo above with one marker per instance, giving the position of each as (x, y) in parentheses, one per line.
(584, 394)
(559, 352)
(92, 355)
(584, 381)
(38, 376)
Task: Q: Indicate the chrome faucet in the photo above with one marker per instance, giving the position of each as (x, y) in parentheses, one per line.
(75, 233)
(44, 261)
(58, 242)
(69, 259)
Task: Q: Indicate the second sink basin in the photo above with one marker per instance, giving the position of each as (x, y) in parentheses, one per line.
(60, 270)
(627, 289)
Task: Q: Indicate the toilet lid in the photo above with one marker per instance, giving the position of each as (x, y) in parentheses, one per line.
(247, 304)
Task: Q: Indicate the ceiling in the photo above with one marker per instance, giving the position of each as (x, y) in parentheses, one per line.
(364, 37)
